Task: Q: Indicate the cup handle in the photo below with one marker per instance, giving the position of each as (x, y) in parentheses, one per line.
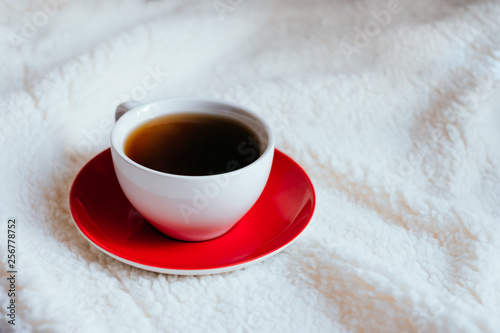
(124, 108)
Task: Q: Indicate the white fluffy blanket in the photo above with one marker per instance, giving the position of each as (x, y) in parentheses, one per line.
(391, 106)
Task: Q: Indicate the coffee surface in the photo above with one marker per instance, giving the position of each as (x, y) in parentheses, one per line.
(193, 144)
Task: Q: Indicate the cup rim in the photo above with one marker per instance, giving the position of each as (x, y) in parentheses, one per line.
(267, 128)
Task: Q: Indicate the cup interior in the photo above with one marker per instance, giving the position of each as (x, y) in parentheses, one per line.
(146, 112)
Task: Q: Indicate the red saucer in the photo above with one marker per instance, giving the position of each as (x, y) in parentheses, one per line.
(105, 217)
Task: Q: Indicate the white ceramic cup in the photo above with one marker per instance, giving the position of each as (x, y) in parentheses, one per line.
(191, 208)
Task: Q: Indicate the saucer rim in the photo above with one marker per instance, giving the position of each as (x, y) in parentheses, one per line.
(196, 271)
(207, 271)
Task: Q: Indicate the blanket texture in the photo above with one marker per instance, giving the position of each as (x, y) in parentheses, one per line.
(391, 106)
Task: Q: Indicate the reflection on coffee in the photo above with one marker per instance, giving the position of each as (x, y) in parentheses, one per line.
(193, 144)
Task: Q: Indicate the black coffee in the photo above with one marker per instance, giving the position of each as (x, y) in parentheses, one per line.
(193, 144)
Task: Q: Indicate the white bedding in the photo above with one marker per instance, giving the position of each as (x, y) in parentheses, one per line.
(392, 108)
